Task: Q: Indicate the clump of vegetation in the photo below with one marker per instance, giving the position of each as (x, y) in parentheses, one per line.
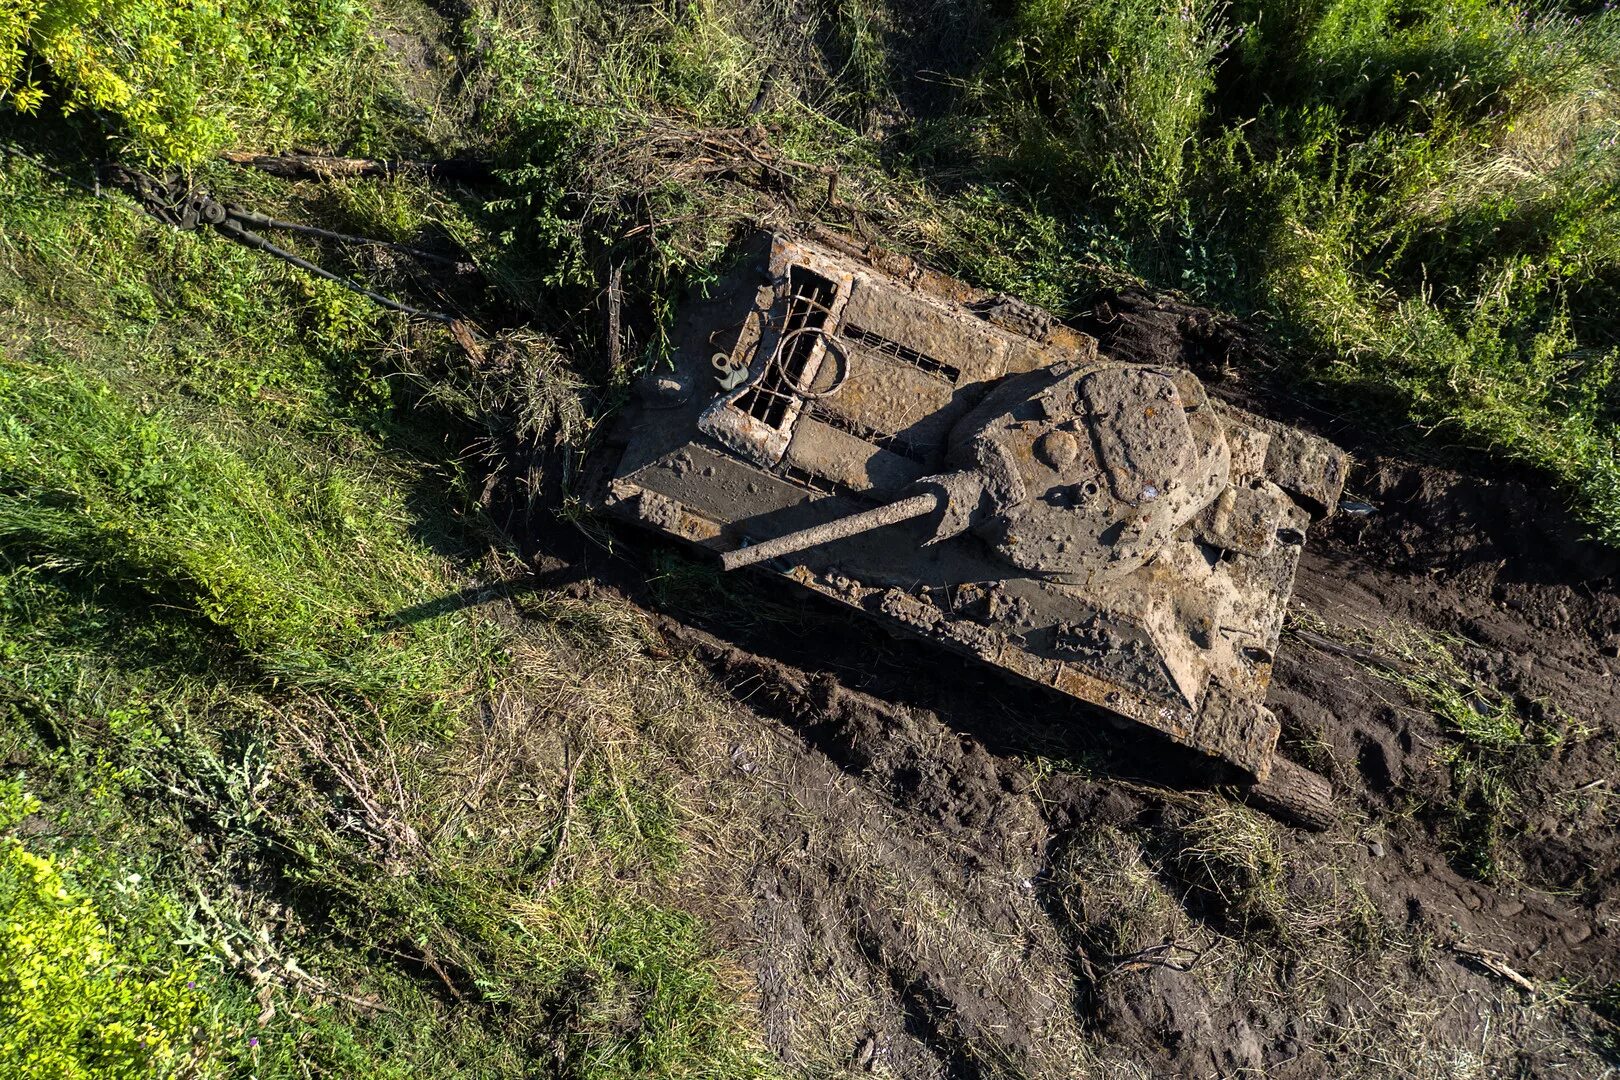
(1427, 666)
(1605, 1003)
(1113, 903)
(176, 81)
(1229, 859)
(76, 1000)
(1204, 900)
(1112, 94)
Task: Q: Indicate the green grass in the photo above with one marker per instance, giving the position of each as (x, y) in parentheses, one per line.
(227, 529)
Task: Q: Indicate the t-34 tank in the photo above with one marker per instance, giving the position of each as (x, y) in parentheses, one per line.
(965, 469)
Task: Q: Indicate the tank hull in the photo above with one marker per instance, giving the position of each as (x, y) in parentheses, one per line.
(861, 406)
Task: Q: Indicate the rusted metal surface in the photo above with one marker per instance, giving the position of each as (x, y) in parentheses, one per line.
(839, 529)
(967, 469)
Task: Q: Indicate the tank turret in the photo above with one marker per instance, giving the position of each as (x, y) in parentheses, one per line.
(1076, 474)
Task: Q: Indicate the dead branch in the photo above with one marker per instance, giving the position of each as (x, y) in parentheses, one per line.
(567, 811)
(326, 167)
(1168, 955)
(373, 789)
(468, 340)
(1494, 963)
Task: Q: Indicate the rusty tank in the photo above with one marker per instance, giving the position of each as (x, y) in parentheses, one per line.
(968, 470)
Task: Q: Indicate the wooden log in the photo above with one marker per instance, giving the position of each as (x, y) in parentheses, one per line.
(1296, 794)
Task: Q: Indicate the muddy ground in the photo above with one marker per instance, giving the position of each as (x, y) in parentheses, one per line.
(954, 876)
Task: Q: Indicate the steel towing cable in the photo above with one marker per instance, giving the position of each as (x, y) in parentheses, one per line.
(183, 207)
(189, 209)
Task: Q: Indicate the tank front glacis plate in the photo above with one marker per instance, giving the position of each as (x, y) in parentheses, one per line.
(815, 382)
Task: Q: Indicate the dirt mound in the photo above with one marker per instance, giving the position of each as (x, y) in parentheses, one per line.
(1528, 613)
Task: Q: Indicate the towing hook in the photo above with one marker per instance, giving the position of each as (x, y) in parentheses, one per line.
(204, 209)
(199, 208)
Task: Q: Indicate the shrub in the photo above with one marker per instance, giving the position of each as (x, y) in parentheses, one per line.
(72, 1002)
(176, 76)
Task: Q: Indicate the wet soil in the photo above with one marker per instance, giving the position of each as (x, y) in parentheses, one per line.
(959, 877)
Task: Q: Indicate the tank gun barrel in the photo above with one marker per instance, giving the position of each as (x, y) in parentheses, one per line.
(838, 529)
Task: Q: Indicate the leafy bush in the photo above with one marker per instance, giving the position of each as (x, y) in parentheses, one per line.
(72, 1000)
(177, 76)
